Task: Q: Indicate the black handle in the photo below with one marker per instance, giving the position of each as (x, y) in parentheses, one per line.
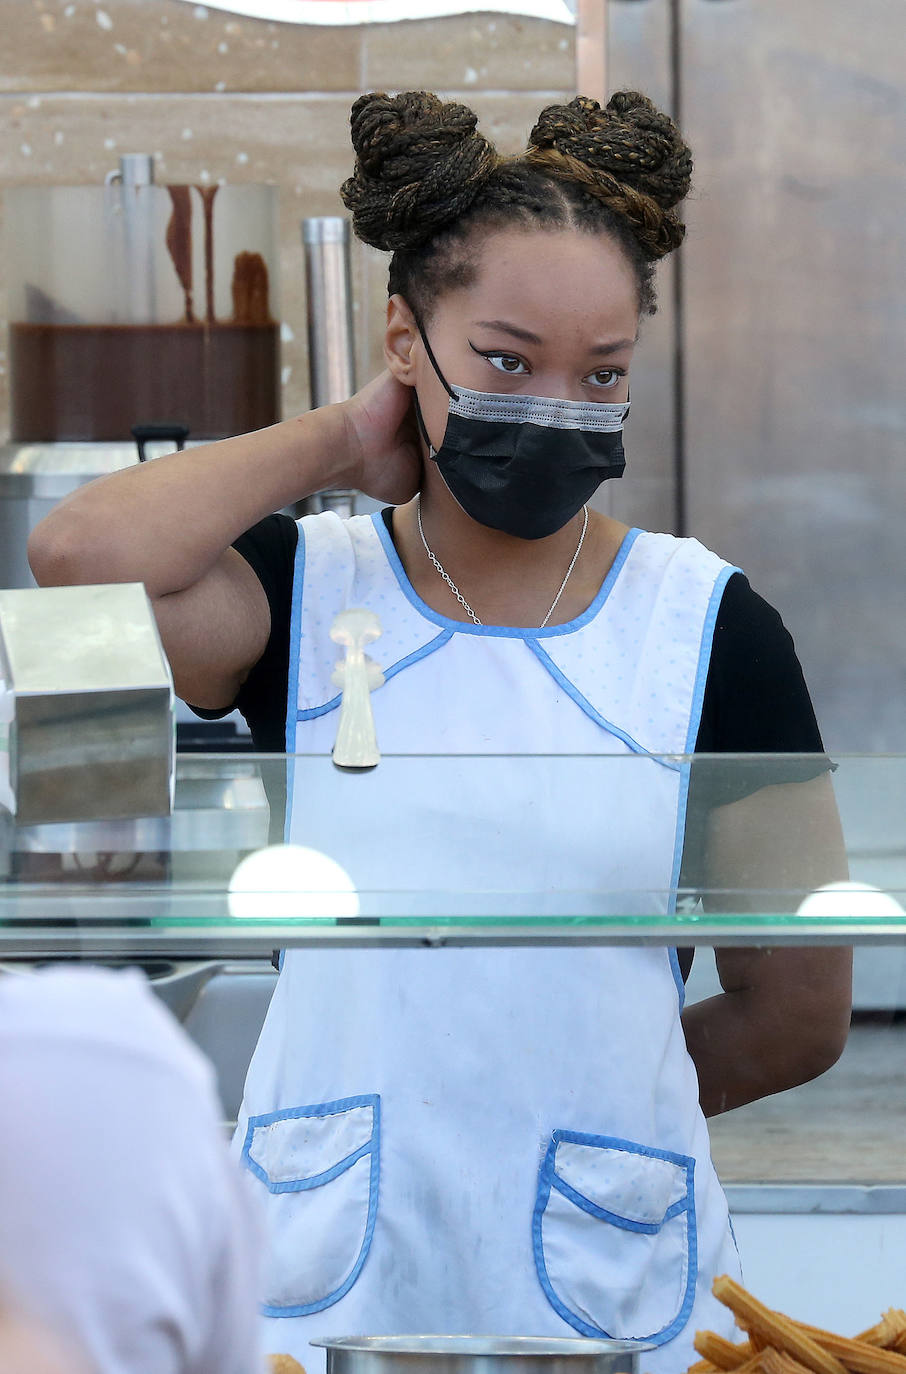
(146, 434)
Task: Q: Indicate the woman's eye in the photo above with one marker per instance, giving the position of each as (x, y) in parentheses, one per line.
(506, 362)
(606, 376)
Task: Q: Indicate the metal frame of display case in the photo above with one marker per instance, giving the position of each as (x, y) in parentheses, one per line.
(224, 941)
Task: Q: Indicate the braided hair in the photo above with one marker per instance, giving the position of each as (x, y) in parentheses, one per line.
(425, 181)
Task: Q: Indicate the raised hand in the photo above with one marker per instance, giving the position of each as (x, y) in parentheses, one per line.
(384, 447)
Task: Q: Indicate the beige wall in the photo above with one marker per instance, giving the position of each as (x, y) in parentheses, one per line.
(219, 96)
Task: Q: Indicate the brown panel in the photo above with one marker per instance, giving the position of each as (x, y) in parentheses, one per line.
(639, 59)
(167, 45)
(796, 294)
(591, 48)
(503, 52)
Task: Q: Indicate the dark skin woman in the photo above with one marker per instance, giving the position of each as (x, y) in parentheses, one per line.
(514, 277)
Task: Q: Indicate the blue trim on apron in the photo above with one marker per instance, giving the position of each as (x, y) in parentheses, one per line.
(585, 705)
(500, 631)
(437, 643)
(695, 713)
(292, 692)
(295, 642)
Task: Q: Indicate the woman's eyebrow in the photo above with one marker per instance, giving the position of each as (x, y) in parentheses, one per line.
(524, 334)
(615, 347)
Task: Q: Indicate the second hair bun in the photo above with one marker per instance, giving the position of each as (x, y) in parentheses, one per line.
(629, 154)
(420, 163)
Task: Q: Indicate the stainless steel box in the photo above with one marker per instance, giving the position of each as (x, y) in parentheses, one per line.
(86, 705)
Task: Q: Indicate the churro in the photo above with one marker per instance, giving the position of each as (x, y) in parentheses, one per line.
(856, 1355)
(889, 1333)
(753, 1364)
(779, 1345)
(773, 1361)
(721, 1352)
(779, 1331)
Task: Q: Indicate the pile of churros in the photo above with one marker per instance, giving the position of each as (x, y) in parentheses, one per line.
(778, 1345)
(284, 1364)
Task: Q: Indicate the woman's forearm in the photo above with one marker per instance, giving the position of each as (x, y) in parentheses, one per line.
(166, 522)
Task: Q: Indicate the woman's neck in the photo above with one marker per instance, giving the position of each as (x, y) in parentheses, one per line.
(505, 580)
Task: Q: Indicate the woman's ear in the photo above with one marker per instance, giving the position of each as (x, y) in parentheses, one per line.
(399, 337)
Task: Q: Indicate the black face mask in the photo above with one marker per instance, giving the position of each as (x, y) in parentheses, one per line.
(525, 464)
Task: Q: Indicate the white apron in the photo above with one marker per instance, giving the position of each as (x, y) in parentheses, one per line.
(500, 1141)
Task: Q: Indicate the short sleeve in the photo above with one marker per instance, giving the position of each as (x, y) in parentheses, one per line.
(756, 702)
(269, 548)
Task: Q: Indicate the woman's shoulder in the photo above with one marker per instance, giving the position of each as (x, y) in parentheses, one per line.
(680, 547)
(756, 698)
(270, 548)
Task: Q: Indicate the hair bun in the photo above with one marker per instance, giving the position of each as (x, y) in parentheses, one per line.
(419, 164)
(629, 154)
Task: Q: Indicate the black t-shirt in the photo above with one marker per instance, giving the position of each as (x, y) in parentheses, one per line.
(755, 700)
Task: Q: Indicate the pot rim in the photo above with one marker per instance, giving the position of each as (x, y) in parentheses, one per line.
(554, 1347)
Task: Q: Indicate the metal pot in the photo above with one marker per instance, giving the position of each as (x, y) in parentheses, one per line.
(479, 1355)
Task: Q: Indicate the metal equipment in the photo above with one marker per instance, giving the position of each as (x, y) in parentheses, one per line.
(86, 705)
(331, 358)
(130, 303)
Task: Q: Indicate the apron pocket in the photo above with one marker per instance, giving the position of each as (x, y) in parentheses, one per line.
(320, 1167)
(614, 1236)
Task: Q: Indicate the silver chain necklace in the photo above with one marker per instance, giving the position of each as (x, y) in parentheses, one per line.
(458, 594)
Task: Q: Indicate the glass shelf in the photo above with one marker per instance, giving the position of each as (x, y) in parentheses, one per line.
(434, 850)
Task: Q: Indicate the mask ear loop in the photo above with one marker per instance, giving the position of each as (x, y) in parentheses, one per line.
(433, 361)
(421, 424)
(443, 381)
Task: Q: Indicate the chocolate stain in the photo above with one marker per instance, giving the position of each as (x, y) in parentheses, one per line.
(250, 290)
(207, 194)
(179, 243)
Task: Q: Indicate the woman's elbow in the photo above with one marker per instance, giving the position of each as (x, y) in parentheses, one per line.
(826, 1051)
(823, 1037)
(65, 551)
(51, 556)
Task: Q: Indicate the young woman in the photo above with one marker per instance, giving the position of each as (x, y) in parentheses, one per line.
(500, 1140)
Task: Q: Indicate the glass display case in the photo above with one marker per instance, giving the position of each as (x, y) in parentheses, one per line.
(426, 850)
(204, 899)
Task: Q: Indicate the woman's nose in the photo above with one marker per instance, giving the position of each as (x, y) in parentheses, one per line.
(557, 387)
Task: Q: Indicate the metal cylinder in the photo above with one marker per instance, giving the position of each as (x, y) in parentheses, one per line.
(331, 357)
(137, 289)
(136, 169)
(328, 282)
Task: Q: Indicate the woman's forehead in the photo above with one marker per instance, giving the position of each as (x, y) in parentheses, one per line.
(542, 279)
